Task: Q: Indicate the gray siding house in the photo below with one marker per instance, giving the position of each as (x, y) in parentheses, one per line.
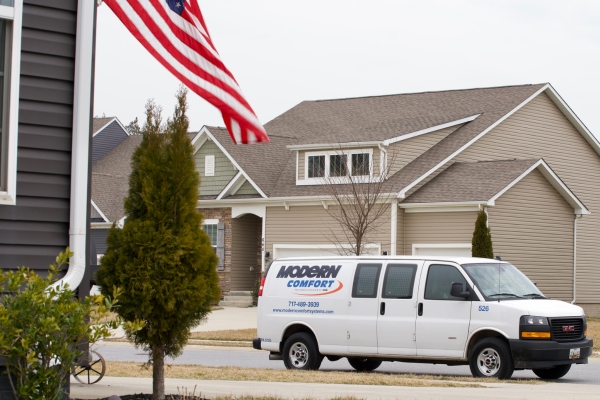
(47, 79)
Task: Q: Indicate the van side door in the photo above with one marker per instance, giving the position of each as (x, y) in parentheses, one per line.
(442, 319)
(363, 309)
(398, 308)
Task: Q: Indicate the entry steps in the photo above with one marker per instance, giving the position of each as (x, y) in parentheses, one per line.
(237, 299)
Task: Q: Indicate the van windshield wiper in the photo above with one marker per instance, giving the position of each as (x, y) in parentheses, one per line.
(536, 295)
(504, 294)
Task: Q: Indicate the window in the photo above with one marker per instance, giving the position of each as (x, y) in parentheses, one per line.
(360, 164)
(316, 166)
(10, 61)
(399, 281)
(366, 279)
(439, 282)
(209, 166)
(338, 164)
(212, 231)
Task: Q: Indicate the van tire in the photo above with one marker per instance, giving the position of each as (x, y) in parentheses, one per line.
(556, 372)
(300, 351)
(364, 364)
(491, 358)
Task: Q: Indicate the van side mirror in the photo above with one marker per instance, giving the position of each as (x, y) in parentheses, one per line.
(458, 291)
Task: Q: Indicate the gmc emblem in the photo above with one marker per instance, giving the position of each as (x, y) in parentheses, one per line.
(569, 328)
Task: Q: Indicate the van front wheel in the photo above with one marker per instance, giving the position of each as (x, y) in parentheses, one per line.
(364, 364)
(491, 358)
(301, 352)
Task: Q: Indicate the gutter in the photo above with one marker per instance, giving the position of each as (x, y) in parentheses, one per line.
(82, 113)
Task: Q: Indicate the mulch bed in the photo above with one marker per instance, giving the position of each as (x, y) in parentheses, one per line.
(142, 396)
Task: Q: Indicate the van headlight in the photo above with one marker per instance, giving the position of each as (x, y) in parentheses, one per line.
(533, 327)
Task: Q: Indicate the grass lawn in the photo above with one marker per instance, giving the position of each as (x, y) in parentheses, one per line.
(130, 369)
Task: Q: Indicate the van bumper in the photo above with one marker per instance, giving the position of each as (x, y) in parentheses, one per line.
(529, 354)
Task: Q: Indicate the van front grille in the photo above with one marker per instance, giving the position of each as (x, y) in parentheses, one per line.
(566, 329)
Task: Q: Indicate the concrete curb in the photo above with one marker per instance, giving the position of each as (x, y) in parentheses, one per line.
(550, 391)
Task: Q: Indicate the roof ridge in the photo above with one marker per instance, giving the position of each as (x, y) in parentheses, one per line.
(425, 92)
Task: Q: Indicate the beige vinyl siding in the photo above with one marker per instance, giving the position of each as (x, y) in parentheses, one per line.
(438, 228)
(301, 164)
(313, 225)
(224, 169)
(532, 228)
(401, 153)
(244, 241)
(540, 130)
(246, 188)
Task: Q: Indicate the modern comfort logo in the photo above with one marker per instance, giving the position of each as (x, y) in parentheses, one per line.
(316, 280)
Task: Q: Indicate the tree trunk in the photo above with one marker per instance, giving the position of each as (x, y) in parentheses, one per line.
(158, 373)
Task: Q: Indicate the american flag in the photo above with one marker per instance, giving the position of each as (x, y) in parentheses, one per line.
(174, 32)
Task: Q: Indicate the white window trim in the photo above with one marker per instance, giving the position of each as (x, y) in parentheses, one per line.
(416, 246)
(15, 13)
(209, 165)
(210, 222)
(340, 179)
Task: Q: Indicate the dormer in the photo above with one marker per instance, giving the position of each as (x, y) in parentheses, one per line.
(319, 164)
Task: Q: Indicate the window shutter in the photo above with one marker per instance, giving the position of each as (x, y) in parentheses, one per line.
(209, 166)
(221, 246)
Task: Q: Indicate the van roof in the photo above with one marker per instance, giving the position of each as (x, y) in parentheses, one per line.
(458, 260)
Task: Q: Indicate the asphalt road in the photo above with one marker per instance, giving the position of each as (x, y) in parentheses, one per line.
(250, 358)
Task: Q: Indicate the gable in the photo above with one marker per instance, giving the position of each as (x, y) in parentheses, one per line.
(106, 140)
(247, 188)
(224, 170)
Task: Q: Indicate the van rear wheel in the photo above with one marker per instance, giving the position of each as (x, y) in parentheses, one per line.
(556, 372)
(491, 358)
(364, 364)
(300, 351)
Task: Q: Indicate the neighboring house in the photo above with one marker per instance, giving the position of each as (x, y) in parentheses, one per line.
(46, 75)
(111, 156)
(518, 152)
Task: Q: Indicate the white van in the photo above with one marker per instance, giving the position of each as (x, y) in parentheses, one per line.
(445, 310)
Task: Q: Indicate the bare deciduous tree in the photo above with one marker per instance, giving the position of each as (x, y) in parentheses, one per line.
(361, 197)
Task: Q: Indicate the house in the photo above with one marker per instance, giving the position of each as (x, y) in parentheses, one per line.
(519, 153)
(47, 82)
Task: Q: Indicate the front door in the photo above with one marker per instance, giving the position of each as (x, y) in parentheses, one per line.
(442, 319)
(398, 309)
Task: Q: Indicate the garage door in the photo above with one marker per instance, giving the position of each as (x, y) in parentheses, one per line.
(447, 251)
(314, 251)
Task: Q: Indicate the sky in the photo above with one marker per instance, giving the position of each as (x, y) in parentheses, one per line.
(285, 52)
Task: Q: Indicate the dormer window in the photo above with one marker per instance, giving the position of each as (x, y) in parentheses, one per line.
(337, 164)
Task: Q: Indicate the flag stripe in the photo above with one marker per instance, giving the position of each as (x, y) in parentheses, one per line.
(181, 43)
(185, 55)
(213, 94)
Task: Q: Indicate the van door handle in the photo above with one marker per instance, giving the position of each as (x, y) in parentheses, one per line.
(420, 309)
(382, 308)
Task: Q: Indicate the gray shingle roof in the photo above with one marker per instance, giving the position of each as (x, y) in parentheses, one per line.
(99, 123)
(470, 181)
(380, 118)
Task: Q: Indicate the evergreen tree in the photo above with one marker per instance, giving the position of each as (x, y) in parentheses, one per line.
(161, 259)
(482, 238)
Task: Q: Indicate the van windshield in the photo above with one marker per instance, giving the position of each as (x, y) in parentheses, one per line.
(502, 281)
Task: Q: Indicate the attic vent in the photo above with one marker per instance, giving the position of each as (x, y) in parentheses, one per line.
(209, 166)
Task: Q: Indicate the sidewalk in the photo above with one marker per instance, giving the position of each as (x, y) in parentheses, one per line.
(500, 391)
(218, 320)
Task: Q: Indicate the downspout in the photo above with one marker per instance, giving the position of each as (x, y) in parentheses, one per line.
(82, 112)
(394, 227)
(575, 258)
